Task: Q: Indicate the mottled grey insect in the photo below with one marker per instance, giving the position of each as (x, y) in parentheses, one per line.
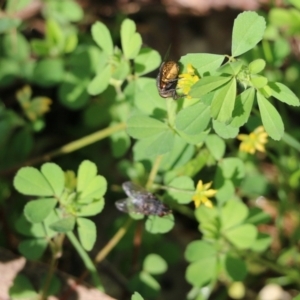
(167, 78)
(141, 201)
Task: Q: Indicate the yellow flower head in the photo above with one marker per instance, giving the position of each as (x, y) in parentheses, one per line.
(256, 140)
(203, 192)
(187, 80)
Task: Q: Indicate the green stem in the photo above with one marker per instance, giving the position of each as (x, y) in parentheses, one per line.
(289, 140)
(267, 51)
(73, 146)
(117, 85)
(153, 172)
(85, 141)
(171, 111)
(86, 259)
(46, 285)
(113, 241)
(108, 247)
(294, 274)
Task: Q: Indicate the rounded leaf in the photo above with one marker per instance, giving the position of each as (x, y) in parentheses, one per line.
(235, 267)
(201, 272)
(90, 185)
(22, 288)
(33, 249)
(154, 264)
(226, 191)
(121, 70)
(242, 107)
(231, 67)
(233, 213)
(283, 93)
(86, 172)
(223, 102)
(161, 144)
(141, 127)
(87, 233)
(225, 131)
(55, 176)
(262, 242)
(120, 143)
(73, 94)
(131, 41)
(100, 82)
(16, 48)
(146, 61)
(216, 146)
(199, 250)
(156, 224)
(146, 97)
(182, 189)
(24, 227)
(67, 9)
(37, 211)
(207, 85)
(179, 155)
(30, 181)
(94, 190)
(256, 66)
(242, 236)
(102, 37)
(271, 119)
(203, 62)
(49, 72)
(136, 296)
(91, 209)
(193, 119)
(258, 81)
(149, 281)
(233, 168)
(63, 225)
(248, 31)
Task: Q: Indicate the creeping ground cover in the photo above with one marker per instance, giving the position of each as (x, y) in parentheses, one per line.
(101, 172)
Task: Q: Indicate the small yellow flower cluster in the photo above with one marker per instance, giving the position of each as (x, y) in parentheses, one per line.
(256, 140)
(203, 192)
(187, 80)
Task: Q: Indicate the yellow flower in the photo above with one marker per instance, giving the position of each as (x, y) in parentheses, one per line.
(256, 140)
(203, 192)
(187, 80)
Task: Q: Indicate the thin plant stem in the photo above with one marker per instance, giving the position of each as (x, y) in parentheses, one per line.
(72, 146)
(55, 247)
(86, 259)
(52, 267)
(153, 172)
(113, 241)
(107, 248)
(171, 108)
(267, 51)
(294, 273)
(137, 241)
(291, 141)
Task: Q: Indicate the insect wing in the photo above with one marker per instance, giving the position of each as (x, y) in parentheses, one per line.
(127, 206)
(135, 191)
(124, 205)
